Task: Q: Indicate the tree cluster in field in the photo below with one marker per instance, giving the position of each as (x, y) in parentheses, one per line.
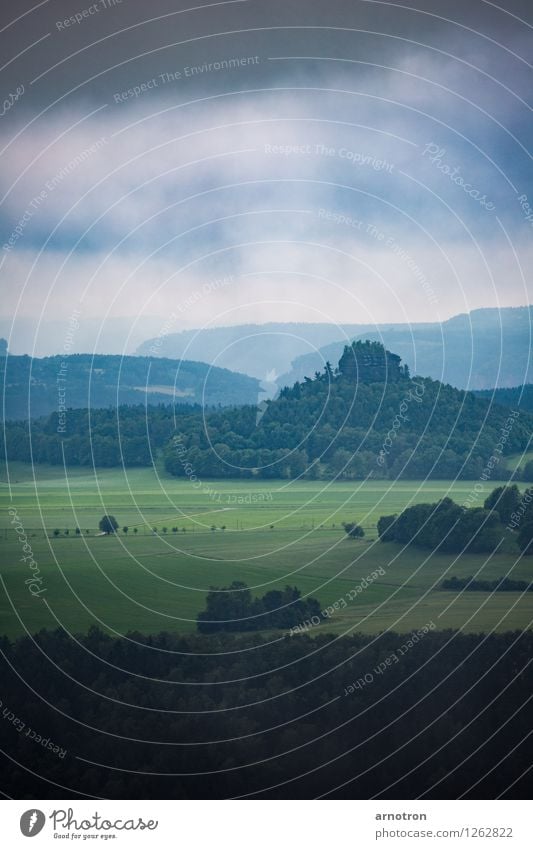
(498, 585)
(170, 716)
(332, 426)
(446, 526)
(353, 530)
(234, 609)
(108, 524)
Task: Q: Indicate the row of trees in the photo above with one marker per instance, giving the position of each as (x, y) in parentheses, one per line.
(446, 526)
(233, 608)
(499, 585)
(125, 529)
(109, 525)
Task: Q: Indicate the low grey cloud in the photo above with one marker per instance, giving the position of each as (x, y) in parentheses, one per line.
(359, 181)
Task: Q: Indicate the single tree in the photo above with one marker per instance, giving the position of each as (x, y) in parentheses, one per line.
(125, 529)
(108, 524)
(353, 530)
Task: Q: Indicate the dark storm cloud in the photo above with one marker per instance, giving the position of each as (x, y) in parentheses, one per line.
(114, 43)
(154, 147)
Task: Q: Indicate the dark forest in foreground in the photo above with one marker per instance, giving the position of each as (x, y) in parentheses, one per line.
(284, 719)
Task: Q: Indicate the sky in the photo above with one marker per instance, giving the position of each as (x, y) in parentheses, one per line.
(232, 162)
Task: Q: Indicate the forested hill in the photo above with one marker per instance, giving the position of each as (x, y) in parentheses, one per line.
(516, 397)
(35, 387)
(354, 421)
(366, 417)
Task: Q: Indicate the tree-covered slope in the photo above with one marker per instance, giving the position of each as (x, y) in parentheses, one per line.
(515, 397)
(34, 387)
(366, 417)
(129, 436)
(349, 424)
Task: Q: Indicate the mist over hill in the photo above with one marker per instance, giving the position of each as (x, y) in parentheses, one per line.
(478, 350)
(261, 350)
(112, 335)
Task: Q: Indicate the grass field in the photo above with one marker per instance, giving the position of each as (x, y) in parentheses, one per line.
(514, 461)
(157, 581)
(144, 499)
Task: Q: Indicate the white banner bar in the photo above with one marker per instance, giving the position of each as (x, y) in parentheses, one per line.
(267, 824)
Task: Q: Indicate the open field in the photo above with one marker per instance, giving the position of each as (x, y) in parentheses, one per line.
(514, 461)
(151, 582)
(144, 499)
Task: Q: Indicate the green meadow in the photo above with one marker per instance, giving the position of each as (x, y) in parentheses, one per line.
(517, 461)
(145, 498)
(268, 534)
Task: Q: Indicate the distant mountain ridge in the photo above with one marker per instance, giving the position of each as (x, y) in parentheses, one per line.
(482, 349)
(34, 387)
(477, 350)
(261, 350)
